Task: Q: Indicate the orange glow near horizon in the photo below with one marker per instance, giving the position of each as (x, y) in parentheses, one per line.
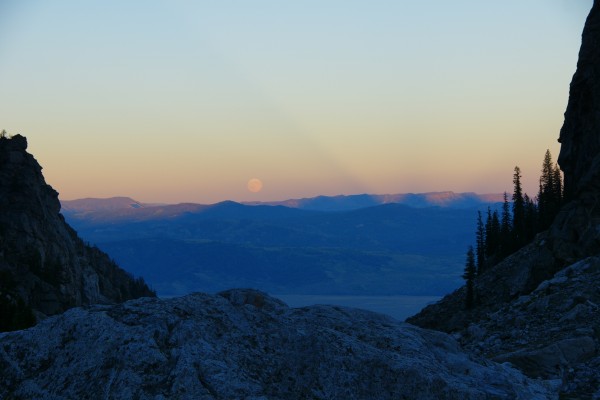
(186, 102)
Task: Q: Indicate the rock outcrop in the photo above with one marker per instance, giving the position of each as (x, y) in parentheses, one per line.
(580, 137)
(243, 344)
(575, 230)
(44, 266)
(537, 308)
(552, 332)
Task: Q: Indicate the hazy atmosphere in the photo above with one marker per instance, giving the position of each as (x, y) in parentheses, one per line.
(277, 199)
(172, 101)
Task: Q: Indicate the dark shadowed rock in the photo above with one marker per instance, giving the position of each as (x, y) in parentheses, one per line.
(552, 332)
(243, 344)
(538, 309)
(575, 233)
(580, 138)
(518, 274)
(43, 263)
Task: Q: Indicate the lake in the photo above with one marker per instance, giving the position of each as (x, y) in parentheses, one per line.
(399, 307)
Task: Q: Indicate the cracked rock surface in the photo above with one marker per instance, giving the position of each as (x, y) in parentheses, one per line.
(243, 344)
(553, 332)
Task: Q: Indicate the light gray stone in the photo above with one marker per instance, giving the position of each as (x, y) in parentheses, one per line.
(243, 344)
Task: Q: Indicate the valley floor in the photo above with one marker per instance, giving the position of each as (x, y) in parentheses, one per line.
(398, 307)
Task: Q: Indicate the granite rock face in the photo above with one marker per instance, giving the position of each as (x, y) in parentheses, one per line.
(552, 332)
(43, 263)
(243, 344)
(580, 138)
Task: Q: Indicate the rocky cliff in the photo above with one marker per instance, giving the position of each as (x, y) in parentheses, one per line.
(242, 344)
(44, 266)
(538, 308)
(579, 137)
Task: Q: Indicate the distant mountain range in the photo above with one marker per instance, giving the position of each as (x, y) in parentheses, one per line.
(323, 245)
(418, 200)
(118, 207)
(93, 204)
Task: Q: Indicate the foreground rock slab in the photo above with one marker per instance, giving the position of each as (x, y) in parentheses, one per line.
(243, 344)
(552, 333)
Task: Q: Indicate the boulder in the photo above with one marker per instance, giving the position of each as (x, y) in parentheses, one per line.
(244, 344)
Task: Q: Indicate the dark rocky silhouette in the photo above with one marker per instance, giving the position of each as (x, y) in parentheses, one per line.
(550, 285)
(579, 137)
(575, 229)
(44, 264)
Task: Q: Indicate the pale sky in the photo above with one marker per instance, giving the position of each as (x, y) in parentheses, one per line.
(173, 101)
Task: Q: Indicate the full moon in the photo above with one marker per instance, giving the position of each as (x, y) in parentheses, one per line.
(255, 185)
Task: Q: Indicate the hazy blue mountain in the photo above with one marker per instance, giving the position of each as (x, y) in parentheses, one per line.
(420, 200)
(93, 204)
(120, 206)
(127, 210)
(387, 249)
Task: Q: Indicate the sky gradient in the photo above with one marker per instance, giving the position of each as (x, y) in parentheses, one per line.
(186, 101)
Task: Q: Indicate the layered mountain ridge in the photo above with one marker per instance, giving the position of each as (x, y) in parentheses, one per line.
(418, 200)
(381, 250)
(122, 207)
(364, 244)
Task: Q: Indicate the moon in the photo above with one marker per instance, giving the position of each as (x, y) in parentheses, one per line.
(255, 185)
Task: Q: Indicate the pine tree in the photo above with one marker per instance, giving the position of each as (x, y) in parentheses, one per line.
(512, 227)
(530, 219)
(518, 211)
(492, 234)
(550, 192)
(489, 239)
(506, 245)
(480, 243)
(545, 191)
(469, 277)
(496, 227)
(558, 187)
